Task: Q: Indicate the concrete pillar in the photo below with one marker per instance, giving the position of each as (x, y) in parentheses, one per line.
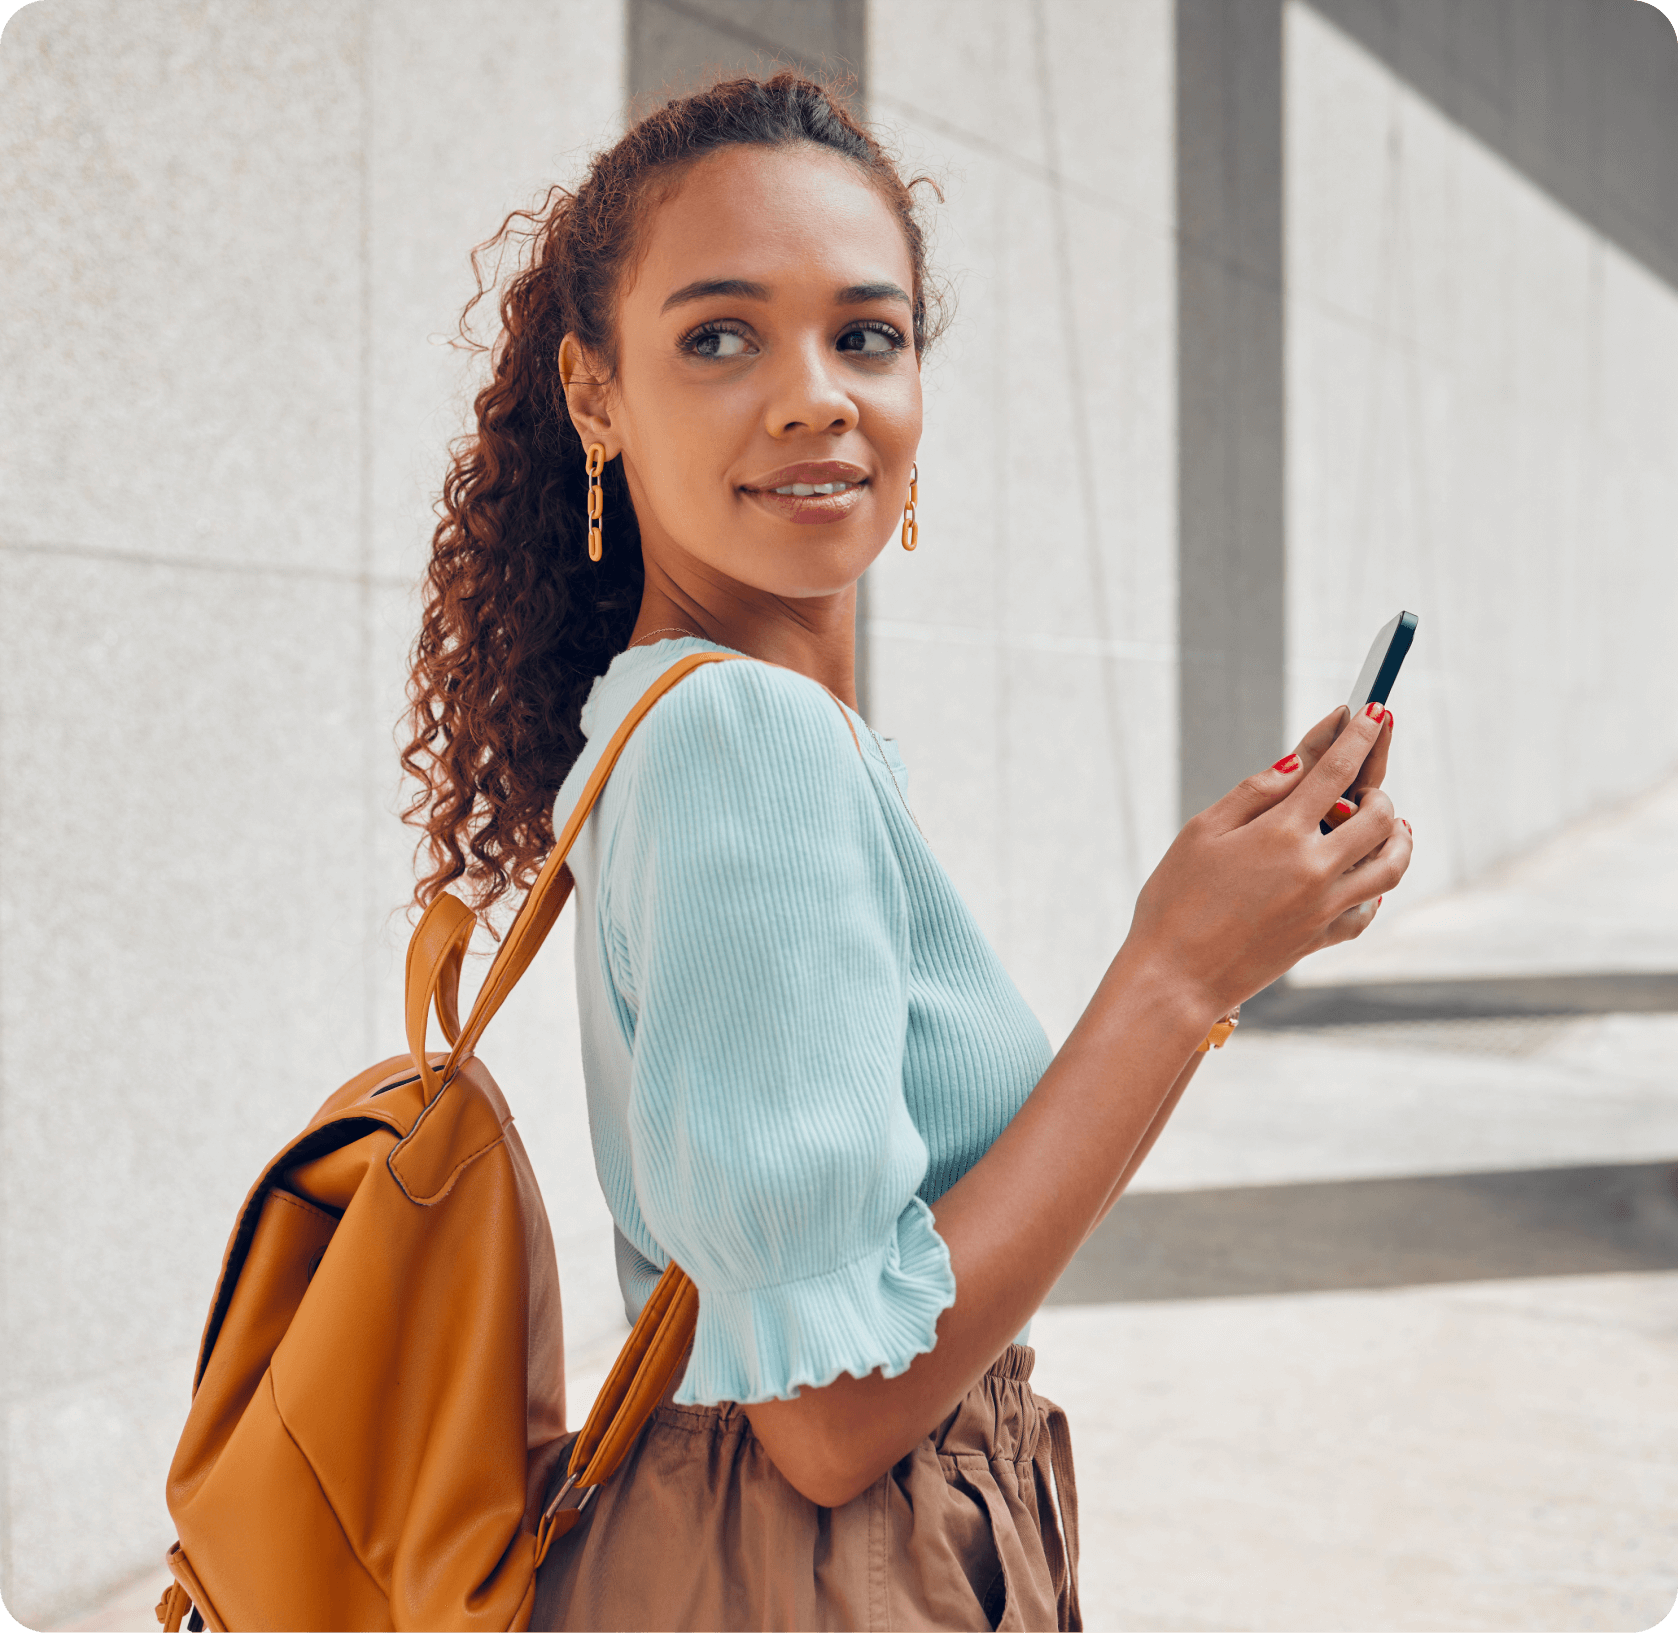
(678, 46)
(1231, 448)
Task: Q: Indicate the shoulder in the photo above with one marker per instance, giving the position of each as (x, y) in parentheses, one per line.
(749, 773)
(746, 716)
(742, 814)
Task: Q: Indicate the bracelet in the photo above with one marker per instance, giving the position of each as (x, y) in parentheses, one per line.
(1219, 1035)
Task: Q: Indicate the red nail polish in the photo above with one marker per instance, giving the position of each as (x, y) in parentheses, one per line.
(1375, 711)
(1406, 825)
(1289, 762)
(1343, 804)
(1379, 900)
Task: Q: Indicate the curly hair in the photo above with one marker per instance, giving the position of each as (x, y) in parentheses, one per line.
(517, 620)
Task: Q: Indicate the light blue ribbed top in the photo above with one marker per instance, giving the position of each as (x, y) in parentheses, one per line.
(794, 1034)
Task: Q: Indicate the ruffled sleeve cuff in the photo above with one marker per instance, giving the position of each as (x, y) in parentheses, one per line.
(881, 1311)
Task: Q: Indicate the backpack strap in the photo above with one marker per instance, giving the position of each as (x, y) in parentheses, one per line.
(664, 1331)
(637, 1383)
(439, 940)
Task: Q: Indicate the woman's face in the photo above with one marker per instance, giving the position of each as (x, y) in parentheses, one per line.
(765, 343)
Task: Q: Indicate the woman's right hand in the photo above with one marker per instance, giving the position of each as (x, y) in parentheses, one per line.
(1248, 887)
(1251, 884)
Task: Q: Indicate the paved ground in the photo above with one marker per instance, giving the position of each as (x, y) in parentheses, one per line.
(1387, 1334)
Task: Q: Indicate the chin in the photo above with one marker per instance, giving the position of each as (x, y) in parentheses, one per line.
(816, 587)
(798, 573)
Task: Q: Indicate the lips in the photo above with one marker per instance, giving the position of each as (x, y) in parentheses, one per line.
(811, 492)
(809, 473)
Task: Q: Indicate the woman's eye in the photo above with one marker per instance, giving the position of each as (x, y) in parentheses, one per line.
(870, 341)
(718, 343)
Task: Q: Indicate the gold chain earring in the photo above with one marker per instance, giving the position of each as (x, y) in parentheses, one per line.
(911, 528)
(596, 463)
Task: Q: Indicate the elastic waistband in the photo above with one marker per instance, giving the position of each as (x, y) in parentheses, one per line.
(1014, 1362)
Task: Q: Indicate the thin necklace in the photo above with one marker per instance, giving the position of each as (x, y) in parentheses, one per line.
(901, 799)
(668, 629)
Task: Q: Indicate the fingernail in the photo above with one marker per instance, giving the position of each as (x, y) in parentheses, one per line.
(1379, 900)
(1345, 806)
(1375, 710)
(1288, 762)
(1406, 825)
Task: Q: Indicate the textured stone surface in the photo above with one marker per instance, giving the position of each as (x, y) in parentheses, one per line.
(1601, 895)
(237, 233)
(1369, 1101)
(1232, 419)
(1473, 1454)
(674, 49)
(181, 984)
(1023, 654)
(96, 1446)
(237, 236)
(183, 278)
(473, 111)
(1491, 1455)
(1482, 412)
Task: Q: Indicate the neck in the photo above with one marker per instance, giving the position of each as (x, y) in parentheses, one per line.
(814, 636)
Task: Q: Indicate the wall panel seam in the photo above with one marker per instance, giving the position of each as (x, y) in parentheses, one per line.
(202, 564)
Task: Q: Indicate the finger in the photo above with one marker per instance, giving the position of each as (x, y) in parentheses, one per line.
(1265, 789)
(1254, 795)
(1375, 819)
(1341, 811)
(1315, 743)
(1351, 924)
(1378, 871)
(1334, 771)
(1373, 772)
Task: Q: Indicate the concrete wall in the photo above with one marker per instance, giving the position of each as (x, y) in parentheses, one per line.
(679, 46)
(1025, 653)
(1482, 394)
(236, 234)
(236, 242)
(1272, 320)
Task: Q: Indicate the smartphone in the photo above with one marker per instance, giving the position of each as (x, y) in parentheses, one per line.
(1380, 669)
(1386, 655)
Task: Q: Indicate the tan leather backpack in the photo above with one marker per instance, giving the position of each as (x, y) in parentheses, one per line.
(379, 1402)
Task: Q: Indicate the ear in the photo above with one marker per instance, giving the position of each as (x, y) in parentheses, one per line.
(587, 396)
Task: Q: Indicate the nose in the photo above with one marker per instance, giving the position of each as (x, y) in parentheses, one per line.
(808, 394)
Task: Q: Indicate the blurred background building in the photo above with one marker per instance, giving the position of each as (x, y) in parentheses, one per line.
(1272, 317)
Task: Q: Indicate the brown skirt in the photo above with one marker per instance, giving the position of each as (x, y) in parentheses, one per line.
(698, 1529)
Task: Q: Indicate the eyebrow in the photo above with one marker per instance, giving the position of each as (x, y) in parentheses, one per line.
(740, 288)
(745, 289)
(862, 294)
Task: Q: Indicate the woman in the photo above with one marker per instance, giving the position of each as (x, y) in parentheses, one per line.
(810, 1081)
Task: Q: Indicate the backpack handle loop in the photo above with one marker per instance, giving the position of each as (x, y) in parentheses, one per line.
(432, 978)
